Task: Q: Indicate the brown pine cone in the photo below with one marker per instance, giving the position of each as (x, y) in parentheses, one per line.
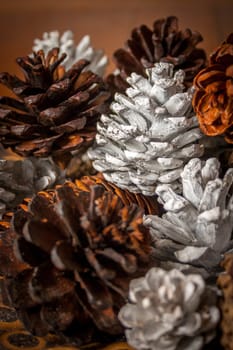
(213, 98)
(83, 249)
(148, 203)
(225, 282)
(55, 111)
(164, 43)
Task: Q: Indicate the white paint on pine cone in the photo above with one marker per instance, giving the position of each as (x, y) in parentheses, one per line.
(66, 44)
(151, 133)
(170, 311)
(198, 224)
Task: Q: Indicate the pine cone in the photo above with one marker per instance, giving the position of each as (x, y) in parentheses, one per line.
(225, 282)
(148, 204)
(197, 226)
(83, 248)
(169, 311)
(22, 178)
(213, 98)
(56, 111)
(164, 43)
(151, 133)
(65, 42)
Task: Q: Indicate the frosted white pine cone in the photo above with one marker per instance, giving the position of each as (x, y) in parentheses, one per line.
(66, 44)
(151, 133)
(22, 178)
(170, 311)
(197, 226)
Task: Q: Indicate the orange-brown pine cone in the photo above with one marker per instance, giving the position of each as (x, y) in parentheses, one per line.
(55, 111)
(225, 282)
(82, 249)
(148, 203)
(213, 98)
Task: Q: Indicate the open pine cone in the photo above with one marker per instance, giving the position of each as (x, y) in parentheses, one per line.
(164, 43)
(56, 110)
(82, 248)
(170, 311)
(65, 42)
(151, 133)
(225, 283)
(197, 226)
(213, 98)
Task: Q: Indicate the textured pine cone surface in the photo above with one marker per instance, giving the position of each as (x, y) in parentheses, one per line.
(14, 336)
(169, 310)
(164, 43)
(151, 133)
(213, 98)
(55, 111)
(148, 204)
(82, 248)
(197, 226)
(225, 283)
(83, 50)
(20, 178)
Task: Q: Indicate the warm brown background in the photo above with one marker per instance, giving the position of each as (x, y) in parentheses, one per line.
(108, 22)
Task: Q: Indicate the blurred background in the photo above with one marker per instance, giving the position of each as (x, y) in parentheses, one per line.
(109, 22)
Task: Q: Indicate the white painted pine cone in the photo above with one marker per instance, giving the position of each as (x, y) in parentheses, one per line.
(169, 311)
(23, 178)
(84, 50)
(151, 133)
(197, 226)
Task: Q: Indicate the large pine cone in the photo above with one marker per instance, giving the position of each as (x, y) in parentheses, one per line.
(225, 282)
(170, 311)
(56, 110)
(83, 249)
(197, 226)
(65, 42)
(164, 43)
(213, 98)
(151, 133)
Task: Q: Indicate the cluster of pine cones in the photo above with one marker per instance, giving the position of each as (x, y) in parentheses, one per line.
(116, 192)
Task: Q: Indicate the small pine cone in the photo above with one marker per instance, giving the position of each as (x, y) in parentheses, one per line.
(213, 98)
(148, 204)
(56, 110)
(197, 226)
(225, 283)
(151, 133)
(21, 178)
(83, 249)
(65, 42)
(170, 311)
(164, 43)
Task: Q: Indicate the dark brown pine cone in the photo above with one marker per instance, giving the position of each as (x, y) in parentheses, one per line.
(225, 282)
(164, 43)
(55, 111)
(148, 203)
(83, 248)
(213, 97)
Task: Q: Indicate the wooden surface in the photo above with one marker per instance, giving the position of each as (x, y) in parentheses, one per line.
(108, 22)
